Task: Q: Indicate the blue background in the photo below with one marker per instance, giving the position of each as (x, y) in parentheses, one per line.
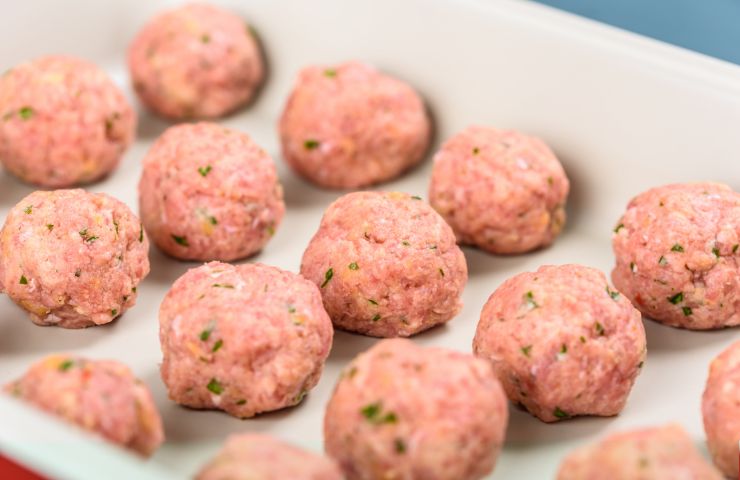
(708, 26)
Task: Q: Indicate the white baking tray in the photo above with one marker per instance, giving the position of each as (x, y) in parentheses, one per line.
(624, 113)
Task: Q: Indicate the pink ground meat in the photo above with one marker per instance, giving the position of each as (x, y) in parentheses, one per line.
(244, 339)
(209, 193)
(562, 342)
(387, 265)
(195, 61)
(72, 258)
(721, 410)
(62, 122)
(499, 190)
(678, 255)
(101, 396)
(252, 456)
(350, 126)
(402, 411)
(657, 453)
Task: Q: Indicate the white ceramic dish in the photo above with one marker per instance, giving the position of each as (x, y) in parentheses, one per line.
(623, 112)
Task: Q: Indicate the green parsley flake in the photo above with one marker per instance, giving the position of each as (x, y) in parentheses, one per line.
(583, 339)
(715, 251)
(526, 349)
(618, 227)
(560, 413)
(206, 333)
(243, 401)
(24, 280)
(676, 299)
(66, 365)
(372, 301)
(330, 72)
(676, 248)
(599, 328)
(205, 170)
(639, 365)
(415, 197)
(373, 413)
(376, 317)
(49, 227)
(633, 267)
(183, 241)
(87, 237)
(223, 285)
(205, 38)
(271, 229)
(399, 445)
(113, 312)
(28, 209)
(354, 266)
(405, 243)
(115, 224)
(662, 261)
(327, 277)
(687, 311)
(311, 144)
(612, 293)
(25, 113)
(564, 348)
(141, 232)
(735, 247)
(215, 387)
(291, 309)
(217, 346)
(529, 300)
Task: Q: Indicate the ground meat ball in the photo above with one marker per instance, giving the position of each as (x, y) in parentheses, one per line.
(244, 339)
(500, 190)
(62, 122)
(209, 193)
(387, 265)
(101, 396)
(721, 410)
(252, 456)
(72, 258)
(657, 453)
(406, 412)
(677, 255)
(195, 61)
(562, 342)
(351, 126)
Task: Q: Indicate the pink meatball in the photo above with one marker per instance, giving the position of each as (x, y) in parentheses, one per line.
(252, 456)
(387, 265)
(209, 193)
(721, 410)
(351, 126)
(195, 61)
(499, 190)
(562, 342)
(677, 255)
(244, 339)
(657, 453)
(101, 396)
(62, 122)
(72, 258)
(407, 412)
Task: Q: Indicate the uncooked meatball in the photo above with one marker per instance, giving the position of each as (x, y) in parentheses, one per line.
(656, 453)
(563, 342)
(101, 396)
(252, 456)
(244, 339)
(387, 265)
(499, 190)
(209, 193)
(677, 255)
(405, 411)
(72, 258)
(63, 122)
(195, 61)
(721, 410)
(351, 126)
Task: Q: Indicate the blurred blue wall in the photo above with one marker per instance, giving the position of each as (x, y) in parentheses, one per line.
(708, 26)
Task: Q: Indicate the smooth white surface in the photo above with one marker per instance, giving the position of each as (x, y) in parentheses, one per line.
(624, 113)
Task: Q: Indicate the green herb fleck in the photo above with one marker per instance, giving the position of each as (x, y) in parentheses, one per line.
(78, 273)
(405, 243)
(599, 328)
(217, 346)
(115, 224)
(376, 317)
(415, 197)
(735, 247)
(526, 349)
(25, 113)
(612, 293)
(24, 280)
(133, 289)
(327, 277)
(223, 285)
(205, 38)
(676, 299)
(560, 413)
(564, 348)
(529, 300)
(433, 247)
(49, 227)
(205, 170)
(399, 445)
(291, 309)
(141, 232)
(687, 311)
(243, 401)
(215, 387)
(583, 339)
(206, 333)
(66, 365)
(330, 72)
(113, 312)
(354, 266)
(676, 248)
(213, 220)
(662, 261)
(371, 411)
(441, 272)
(372, 301)
(618, 227)
(715, 251)
(183, 241)
(28, 209)
(86, 236)
(311, 144)
(639, 365)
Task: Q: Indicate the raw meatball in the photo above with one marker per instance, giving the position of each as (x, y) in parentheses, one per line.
(677, 255)
(101, 396)
(62, 122)
(244, 339)
(657, 453)
(387, 265)
(721, 410)
(562, 342)
(72, 258)
(500, 190)
(253, 456)
(351, 126)
(209, 193)
(404, 411)
(195, 61)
